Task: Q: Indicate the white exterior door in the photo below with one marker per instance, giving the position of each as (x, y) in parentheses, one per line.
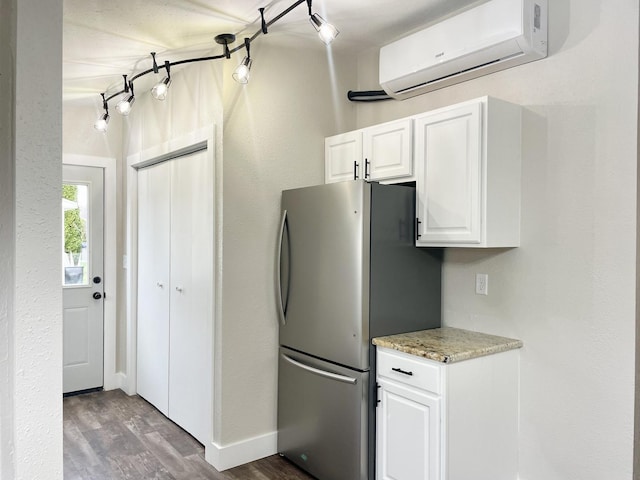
(82, 277)
(154, 288)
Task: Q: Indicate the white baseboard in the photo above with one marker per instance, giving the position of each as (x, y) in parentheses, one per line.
(119, 380)
(239, 453)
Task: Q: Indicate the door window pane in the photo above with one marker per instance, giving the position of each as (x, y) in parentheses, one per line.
(75, 235)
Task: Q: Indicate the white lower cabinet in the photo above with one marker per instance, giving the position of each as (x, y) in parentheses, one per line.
(439, 421)
(408, 433)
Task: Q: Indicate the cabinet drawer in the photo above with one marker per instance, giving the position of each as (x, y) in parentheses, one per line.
(409, 370)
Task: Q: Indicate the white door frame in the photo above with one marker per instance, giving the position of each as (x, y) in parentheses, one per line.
(207, 135)
(111, 379)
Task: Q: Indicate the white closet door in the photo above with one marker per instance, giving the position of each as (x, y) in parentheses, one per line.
(191, 294)
(154, 185)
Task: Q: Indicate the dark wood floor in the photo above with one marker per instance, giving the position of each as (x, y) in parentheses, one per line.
(111, 436)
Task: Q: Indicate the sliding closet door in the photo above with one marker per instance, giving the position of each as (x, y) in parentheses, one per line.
(191, 294)
(154, 184)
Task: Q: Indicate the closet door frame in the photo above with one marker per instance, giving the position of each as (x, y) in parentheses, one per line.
(156, 154)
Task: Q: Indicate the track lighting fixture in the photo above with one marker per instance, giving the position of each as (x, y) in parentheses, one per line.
(326, 31)
(123, 107)
(241, 73)
(103, 121)
(160, 89)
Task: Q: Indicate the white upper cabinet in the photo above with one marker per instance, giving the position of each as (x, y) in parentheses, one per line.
(465, 160)
(388, 151)
(382, 153)
(343, 157)
(468, 175)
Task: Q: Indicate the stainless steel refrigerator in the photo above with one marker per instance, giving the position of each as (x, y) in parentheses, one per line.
(347, 271)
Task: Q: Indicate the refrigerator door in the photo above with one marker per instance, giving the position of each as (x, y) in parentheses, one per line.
(324, 272)
(322, 417)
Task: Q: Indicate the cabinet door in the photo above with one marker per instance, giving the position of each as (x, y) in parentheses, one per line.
(191, 294)
(153, 285)
(343, 157)
(408, 434)
(388, 149)
(449, 156)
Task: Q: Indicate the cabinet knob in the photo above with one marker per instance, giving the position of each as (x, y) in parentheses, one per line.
(160, 284)
(179, 289)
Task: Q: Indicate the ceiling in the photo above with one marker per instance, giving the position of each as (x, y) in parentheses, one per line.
(104, 40)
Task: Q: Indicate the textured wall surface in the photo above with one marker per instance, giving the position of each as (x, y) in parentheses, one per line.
(569, 291)
(37, 312)
(7, 246)
(274, 133)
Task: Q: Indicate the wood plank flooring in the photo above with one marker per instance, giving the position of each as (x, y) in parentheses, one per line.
(112, 436)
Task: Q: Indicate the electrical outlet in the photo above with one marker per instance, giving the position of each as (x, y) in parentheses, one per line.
(482, 284)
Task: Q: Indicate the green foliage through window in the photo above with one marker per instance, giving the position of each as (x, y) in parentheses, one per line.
(74, 226)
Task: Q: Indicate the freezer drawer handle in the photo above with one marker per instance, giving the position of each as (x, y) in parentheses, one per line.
(322, 373)
(404, 372)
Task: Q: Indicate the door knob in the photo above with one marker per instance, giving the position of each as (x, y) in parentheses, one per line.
(97, 295)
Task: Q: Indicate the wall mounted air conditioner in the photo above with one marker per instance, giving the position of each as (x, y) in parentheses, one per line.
(493, 36)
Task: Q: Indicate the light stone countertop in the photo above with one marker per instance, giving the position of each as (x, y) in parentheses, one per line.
(447, 344)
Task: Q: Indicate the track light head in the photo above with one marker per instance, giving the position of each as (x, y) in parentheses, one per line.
(124, 106)
(326, 31)
(102, 123)
(160, 89)
(241, 73)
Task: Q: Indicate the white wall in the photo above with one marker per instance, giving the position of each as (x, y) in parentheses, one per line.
(569, 291)
(30, 218)
(7, 234)
(274, 133)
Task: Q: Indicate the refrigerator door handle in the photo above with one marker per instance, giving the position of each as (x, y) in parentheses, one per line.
(322, 373)
(281, 312)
